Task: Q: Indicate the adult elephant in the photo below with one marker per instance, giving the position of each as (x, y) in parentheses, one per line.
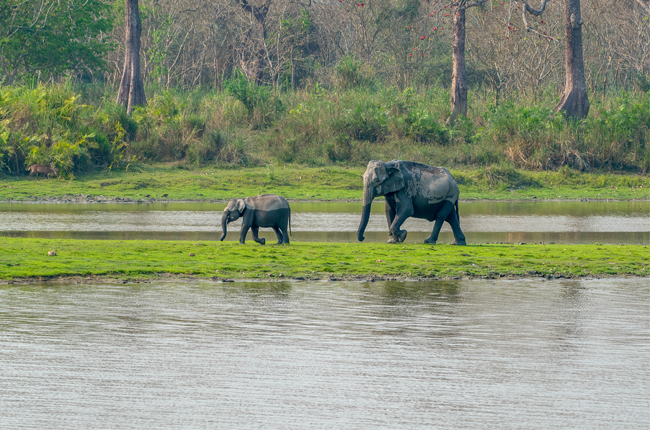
(411, 190)
(266, 210)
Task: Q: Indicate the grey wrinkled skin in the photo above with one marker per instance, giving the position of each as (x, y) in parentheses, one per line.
(266, 210)
(411, 190)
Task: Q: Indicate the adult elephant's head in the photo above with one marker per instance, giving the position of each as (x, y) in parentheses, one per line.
(380, 179)
(234, 209)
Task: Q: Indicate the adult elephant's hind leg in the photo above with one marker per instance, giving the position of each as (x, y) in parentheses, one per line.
(459, 237)
(278, 233)
(284, 223)
(441, 216)
(255, 229)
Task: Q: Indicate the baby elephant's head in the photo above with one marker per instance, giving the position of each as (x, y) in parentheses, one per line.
(234, 209)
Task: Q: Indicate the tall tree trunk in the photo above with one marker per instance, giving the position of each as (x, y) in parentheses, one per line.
(574, 101)
(131, 92)
(459, 73)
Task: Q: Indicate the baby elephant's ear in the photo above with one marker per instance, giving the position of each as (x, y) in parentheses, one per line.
(241, 205)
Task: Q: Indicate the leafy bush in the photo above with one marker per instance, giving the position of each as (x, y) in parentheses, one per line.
(260, 103)
(54, 125)
(351, 73)
(48, 125)
(367, 121)
(422, 127)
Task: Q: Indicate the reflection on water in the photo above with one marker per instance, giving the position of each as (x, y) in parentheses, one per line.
(568, 222)
(572, 208)
(467, 354)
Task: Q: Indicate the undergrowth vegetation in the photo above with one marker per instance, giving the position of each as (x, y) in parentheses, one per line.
(78, 127)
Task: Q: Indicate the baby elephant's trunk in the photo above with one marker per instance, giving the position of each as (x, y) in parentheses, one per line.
(224, 226)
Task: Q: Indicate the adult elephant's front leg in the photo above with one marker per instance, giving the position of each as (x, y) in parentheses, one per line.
(390, 212)
(404, 209)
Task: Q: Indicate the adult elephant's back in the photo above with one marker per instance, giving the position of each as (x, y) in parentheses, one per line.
(432, 184)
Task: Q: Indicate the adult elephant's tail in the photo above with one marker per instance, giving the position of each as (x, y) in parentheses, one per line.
(290, 234)
(457, 214)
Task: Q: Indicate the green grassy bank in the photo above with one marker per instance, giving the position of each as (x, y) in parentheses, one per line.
(315, 183)
(27, 259)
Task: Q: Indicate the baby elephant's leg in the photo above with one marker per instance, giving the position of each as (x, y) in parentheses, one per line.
(255, 230)
(278, 233)
(282, 225)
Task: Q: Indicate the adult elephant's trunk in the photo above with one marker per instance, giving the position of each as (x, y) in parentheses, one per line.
(224, 224)
(368, 196)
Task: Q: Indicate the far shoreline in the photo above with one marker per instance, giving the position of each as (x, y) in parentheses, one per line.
(126, 200)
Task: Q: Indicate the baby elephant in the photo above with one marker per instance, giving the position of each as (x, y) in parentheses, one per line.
(266, 210)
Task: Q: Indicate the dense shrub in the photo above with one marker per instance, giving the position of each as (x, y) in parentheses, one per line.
(49, 126)
(261, 104)
(366, 121)
(351, 73)
(52, 125)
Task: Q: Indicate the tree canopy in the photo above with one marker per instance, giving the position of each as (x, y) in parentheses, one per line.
(49, 37)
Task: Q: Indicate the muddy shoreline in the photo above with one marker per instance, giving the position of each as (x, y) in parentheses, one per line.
(170, 277)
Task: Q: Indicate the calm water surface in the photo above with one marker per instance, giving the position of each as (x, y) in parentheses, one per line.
(386, 355)
(567, 222)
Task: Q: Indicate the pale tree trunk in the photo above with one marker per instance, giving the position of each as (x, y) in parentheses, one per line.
(459, 73)
(131, 92)
(574, 101)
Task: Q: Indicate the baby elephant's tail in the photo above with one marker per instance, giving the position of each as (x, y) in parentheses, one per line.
(290, 234)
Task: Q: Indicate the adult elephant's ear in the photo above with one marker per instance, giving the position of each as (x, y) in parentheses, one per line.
(241, 206)
(395, 182)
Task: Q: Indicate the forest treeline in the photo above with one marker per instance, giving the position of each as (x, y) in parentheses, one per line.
(316, 82)
(190, 43)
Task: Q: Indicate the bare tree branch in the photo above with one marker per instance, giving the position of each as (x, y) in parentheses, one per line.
(527, 9)
(530, 10)
(475, 4)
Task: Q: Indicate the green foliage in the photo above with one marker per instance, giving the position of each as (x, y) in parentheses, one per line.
(48, 125)
(57, 125)
(366, 121)
(49, 37)
(260, 102)
(411, 117)
(537, 137)
(217, 147)
(352, 73)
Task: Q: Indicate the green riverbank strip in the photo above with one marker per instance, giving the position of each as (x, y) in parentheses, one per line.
(27, 260)
(170, 183)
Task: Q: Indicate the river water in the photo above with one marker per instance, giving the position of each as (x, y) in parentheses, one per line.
(547, 221)
(296, 355)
